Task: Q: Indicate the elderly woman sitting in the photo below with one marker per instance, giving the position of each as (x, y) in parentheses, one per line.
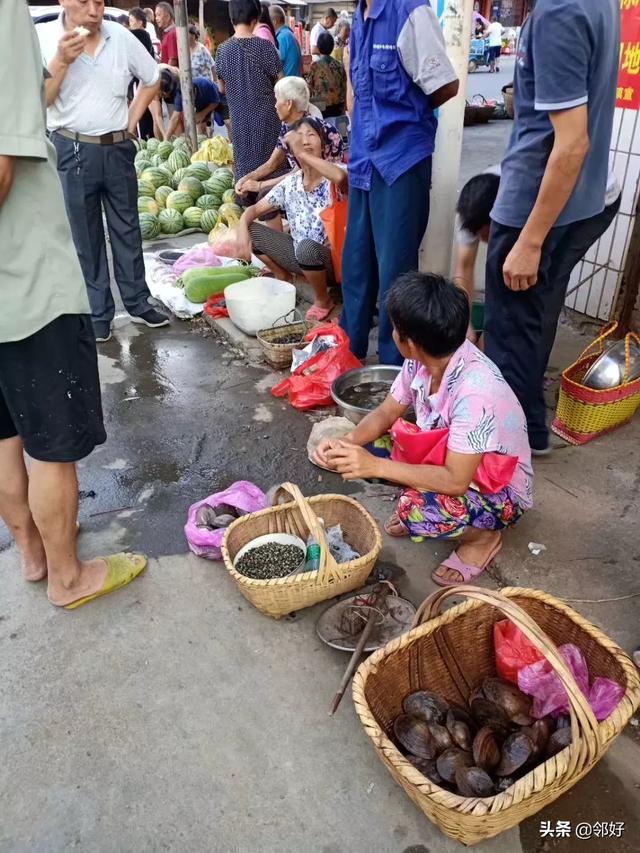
(303, 195)
(466, 469)
(292, 104)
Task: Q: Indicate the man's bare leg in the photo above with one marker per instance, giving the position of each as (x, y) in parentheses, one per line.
(14, 509)
(53, 497)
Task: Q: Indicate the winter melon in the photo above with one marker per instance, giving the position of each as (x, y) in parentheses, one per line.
(199, 170)
(192, 217)
(149, 226)
(146, 188)
(178, 201)
(192, 186)
(171, 221)
(208, 220)
(148, 205)
(161, 196)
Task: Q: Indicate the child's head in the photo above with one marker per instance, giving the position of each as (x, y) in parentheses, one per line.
(430, 315)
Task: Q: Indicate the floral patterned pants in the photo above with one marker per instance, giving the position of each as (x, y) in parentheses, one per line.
(428, 515)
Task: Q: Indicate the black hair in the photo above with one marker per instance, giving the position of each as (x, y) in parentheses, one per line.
(315, 124)
(331, 13)
(430, 311)
(138, 14)
(124, 20)
(194, 31)
(265, 18)
(244, 11)
(168, 84)
(326, 44)
(476, 201)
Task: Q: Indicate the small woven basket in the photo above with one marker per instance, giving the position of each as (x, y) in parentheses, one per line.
(280, 596)
(477, 111)
(278, 354)
(453, 652)
(507, 94)
(584, 413)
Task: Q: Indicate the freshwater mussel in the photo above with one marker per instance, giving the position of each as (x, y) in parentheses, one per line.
(481, 750)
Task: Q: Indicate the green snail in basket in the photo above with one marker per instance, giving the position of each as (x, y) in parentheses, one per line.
(478, 752)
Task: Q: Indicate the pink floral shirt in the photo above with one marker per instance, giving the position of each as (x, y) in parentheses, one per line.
(476, 404)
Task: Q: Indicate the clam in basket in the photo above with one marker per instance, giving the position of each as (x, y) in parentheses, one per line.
(279, 341)
(299, 517)
(450, 654)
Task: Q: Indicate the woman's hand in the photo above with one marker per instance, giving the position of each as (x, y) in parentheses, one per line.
(293, 141)
(322, 451)
(250, 186)
(353, 462)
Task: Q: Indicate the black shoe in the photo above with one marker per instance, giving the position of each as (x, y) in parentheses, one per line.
(102, 331)
(152, 318)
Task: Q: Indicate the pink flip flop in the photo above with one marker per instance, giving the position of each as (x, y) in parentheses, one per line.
(315, 314)
(468, 572)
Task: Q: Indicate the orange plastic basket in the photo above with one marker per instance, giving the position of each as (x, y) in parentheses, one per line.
(583, 413)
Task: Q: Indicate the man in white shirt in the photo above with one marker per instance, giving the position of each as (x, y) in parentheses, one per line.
(323, 26)
(91, 63)
(494, 34)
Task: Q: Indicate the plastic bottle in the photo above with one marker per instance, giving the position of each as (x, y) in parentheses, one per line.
(314, 551)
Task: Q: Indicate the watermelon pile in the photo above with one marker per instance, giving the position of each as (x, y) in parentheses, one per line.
(176, 191)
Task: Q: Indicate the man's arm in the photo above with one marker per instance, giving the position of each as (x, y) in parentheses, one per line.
(424, 56)
(70, 47)
(174, 123)
(143, 98)
(7, 171)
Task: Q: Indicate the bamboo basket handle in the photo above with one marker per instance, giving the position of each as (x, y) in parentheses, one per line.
(630, 336)
(582, 717)
(328, 569)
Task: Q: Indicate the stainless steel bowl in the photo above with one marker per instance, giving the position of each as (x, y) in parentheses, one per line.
(377, 373)
(607, 371)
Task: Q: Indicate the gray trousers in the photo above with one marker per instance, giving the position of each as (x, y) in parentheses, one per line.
(94, 176)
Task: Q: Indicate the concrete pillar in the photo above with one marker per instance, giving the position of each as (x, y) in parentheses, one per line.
(435, 252)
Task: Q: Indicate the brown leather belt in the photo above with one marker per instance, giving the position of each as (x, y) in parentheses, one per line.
(105, 139)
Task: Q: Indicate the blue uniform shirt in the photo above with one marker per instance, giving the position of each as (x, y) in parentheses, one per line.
(553, 74)
(205, 93)
(397, 59)
(289, 52)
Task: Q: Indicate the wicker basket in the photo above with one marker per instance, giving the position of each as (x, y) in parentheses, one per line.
(451, 653)
(507, 94)
(477, 111)
(583, 413)
(284, 595)
(278, 354)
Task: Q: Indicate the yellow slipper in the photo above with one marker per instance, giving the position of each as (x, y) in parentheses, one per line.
(121, 570)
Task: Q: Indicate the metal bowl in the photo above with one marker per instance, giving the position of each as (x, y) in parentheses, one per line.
(379, 373)
(607, 371)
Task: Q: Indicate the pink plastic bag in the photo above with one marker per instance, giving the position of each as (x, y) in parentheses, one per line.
(549, 696)
(206, 543)
(224, 241)
(199, 256)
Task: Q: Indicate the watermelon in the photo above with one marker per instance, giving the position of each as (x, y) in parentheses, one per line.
(148, 205)
(149, 226)
(179, 201)
(155, 176)
(180, 142)
(225, 175)
(201, 138)
(208, 220)
(171, 221)
(230, 213)
(152, 145)
(199, 170)
(177, 177)
(178, 159)
(139, 143)
(157, 160)
(161, 196)
(168, 174)
(229, 196)
(216, 186)
(142, 157)
(165, 150)
(192, 217)
(140, 167)
(208, 201)
(145, 187)
(191, 186)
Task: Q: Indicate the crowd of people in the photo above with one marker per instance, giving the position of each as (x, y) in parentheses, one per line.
(62, 166)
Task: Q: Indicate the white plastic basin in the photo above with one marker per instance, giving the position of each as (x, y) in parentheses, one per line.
(258, 302)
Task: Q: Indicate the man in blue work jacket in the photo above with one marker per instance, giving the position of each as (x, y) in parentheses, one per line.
(399, 74)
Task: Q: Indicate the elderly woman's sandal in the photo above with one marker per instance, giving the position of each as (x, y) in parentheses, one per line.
(121, 570)
(466, 571)
(394, 527)
(316, 314)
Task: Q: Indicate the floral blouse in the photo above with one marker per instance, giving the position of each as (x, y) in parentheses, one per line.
(327, 81)
(303, 208)
(202, 64)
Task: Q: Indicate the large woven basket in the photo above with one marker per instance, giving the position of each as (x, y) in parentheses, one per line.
(300, 517)
(583, 413)
(450, 654)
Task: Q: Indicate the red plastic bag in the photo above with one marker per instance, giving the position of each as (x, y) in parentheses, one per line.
(309, 387)
(513, 650)
(216, 306)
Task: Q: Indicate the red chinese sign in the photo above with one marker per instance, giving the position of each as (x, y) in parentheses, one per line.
(628, 94)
